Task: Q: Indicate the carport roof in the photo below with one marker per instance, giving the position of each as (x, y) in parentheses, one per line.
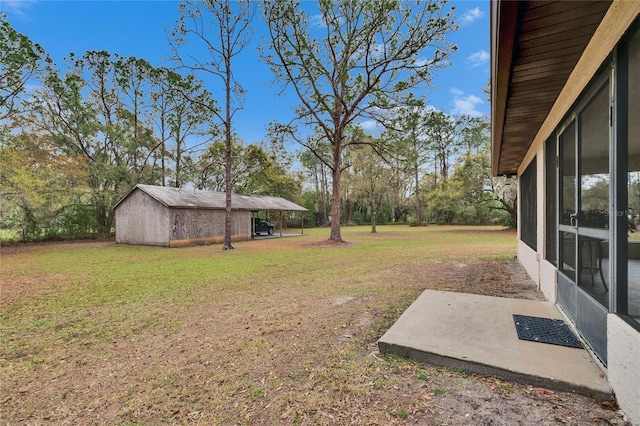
(198, 199)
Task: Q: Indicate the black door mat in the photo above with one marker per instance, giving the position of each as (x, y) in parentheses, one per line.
(545, 330)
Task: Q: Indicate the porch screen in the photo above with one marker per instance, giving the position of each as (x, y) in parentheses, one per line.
(528, 205)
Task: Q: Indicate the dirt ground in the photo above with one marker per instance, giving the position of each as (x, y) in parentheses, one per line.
(301, 359)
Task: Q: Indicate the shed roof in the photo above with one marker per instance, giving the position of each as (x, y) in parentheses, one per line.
(199, 199)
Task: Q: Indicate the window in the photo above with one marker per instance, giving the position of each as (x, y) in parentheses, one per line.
(528, 205)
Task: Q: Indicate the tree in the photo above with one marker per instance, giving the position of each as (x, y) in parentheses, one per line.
(400, 185)
(101, 111)
(43, 185)
(370, 181)
(505, 193)
(317, 171)
(256, 171)
(180, 110)
(20, 60)
(224, 37)
(475, 135)
(407, 137)
(444, 133)
(367, 59)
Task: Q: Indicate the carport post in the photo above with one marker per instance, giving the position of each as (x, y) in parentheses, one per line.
(281, 223)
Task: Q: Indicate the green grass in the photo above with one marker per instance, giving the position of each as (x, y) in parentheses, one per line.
(207, 328)
(128, 285)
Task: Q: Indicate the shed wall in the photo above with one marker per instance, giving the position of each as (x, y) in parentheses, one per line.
(199, 226)
(142, 220)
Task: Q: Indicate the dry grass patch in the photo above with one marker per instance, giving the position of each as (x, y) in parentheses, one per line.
(275, 332)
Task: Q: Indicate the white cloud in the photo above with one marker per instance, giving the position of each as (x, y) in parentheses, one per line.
(377, 49)
(456, 91)
(370, 126)
(317, 21)
(479, 58)
(17, 8)
(471, 15)
(466, 105)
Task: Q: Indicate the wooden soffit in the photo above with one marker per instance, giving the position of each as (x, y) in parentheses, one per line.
(535, 46)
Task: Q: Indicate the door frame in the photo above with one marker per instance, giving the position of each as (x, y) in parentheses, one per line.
(588, 314)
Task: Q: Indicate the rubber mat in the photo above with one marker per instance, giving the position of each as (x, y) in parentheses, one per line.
(545, 330)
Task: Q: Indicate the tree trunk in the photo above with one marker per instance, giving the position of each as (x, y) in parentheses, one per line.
(347, 208)
(178, 183)
(163, 149)
(374, 219)
(227, 188)
(418, 203)
(227, 156)
(335, 204)
(323, 186)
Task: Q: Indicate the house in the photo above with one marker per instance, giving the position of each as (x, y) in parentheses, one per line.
(565, 101)
(172, 217)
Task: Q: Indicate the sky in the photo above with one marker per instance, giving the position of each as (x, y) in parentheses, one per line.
(139, 28)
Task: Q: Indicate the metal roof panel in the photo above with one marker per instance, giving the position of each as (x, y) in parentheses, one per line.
(200, 199)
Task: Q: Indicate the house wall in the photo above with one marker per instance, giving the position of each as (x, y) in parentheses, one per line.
(529, 259)
(623, 341)
(548, 281)
(527, 255)
(541, 272)
(547, 271)
(140, 219)
(202, 226)
(624, 365)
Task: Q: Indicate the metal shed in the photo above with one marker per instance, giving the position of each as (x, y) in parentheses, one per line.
(173, 217)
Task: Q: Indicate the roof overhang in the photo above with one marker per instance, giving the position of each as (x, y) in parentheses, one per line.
(535, 46)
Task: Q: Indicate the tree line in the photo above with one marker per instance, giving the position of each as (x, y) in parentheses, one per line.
(73, 142)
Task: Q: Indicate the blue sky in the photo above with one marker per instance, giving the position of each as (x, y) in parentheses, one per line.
(137, 28)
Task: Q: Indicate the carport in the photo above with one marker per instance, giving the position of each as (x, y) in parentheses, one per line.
(279, 205)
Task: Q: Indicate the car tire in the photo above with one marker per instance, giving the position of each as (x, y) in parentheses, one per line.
(270, 231)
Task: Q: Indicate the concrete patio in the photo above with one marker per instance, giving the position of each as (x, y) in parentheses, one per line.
(477, 334)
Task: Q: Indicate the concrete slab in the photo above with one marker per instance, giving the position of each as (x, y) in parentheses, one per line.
(476, 333)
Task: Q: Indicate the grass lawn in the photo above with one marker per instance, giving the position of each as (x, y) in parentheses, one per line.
(275, 331)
